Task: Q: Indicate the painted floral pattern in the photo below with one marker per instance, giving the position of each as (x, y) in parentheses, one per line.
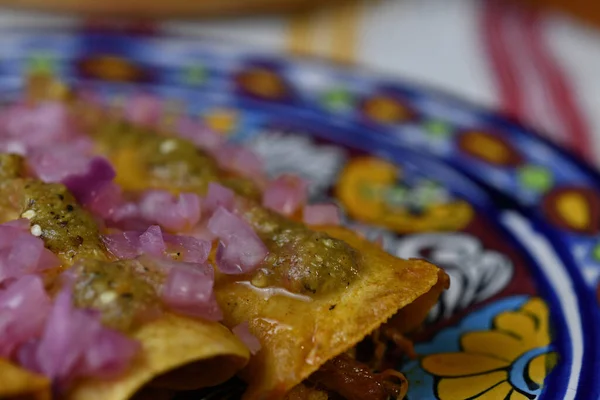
(502, 351)
(499, 350)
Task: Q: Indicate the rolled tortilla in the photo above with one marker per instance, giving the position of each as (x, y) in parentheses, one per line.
(299, 335)
(177, 352)
(17, 383)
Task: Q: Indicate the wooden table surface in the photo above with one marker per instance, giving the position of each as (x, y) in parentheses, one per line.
(164, 8)
(586, 10)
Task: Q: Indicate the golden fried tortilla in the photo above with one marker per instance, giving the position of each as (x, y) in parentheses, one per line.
(179, 353)
(301, 334)
(17, 383)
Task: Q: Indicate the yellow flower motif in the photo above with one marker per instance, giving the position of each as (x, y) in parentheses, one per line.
(366, 185)
(223, 121)
(508, 362)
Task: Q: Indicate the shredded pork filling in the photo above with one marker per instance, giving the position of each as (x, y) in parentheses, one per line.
(354, 375)
(353, 380)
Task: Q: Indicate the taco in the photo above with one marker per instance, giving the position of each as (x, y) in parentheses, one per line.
(174, 350)
(329, 287)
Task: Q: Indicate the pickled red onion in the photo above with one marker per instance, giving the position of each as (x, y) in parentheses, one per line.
(240, 160)
(200, 135)
(242, 331)
(177, 215)
(24, 307)
(217, 196)
(37, 126)
(22, 253)
(124, 246)
(190, 249)
(85, 186)
(286, 194)
(189, 290)
(321, 214)
(131, 244)
(152, 242)
(240, 249)
(53, 163)
(144, 109)
(74, 343)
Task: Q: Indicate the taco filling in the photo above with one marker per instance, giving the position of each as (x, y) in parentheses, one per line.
(185, 259)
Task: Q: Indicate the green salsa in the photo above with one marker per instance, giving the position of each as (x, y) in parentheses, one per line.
(117, 290)
(66, 228)
(11, 166)
(300, 260)
(170, 161)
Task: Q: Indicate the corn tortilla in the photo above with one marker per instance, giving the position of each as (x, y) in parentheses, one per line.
(17, 383)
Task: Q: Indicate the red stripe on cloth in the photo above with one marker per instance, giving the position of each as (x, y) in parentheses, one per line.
(494, 16)
(523, 65)
(562, 97)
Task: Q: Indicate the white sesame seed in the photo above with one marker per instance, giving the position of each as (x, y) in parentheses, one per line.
(108, 297)
(168, 146)
(36, 230)
(28, 214)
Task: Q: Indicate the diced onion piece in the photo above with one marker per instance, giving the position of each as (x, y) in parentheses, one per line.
(85, 186)
(109, 355)
(242, 331)
(240, 160)
(64, 340)
(124, 246)
(131, 244)
(321, 214)
(21, 224)
(24, 306)
(107, 201)
(144, 109)
(56, 162)
(217, 196)
(13, 146)
(188, 205)
(74, 344)
(37, 126)
(190, 249)
(176, 215)
(286, 194)
(22, 253)
(152, 242)
(200, 135)
(26, 354)
(109, 204)
(240, 249)
(189, 291)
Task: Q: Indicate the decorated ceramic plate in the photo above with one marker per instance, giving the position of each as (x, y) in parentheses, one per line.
(513, 219)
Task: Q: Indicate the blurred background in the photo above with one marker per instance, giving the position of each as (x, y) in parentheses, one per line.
(537, 60)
